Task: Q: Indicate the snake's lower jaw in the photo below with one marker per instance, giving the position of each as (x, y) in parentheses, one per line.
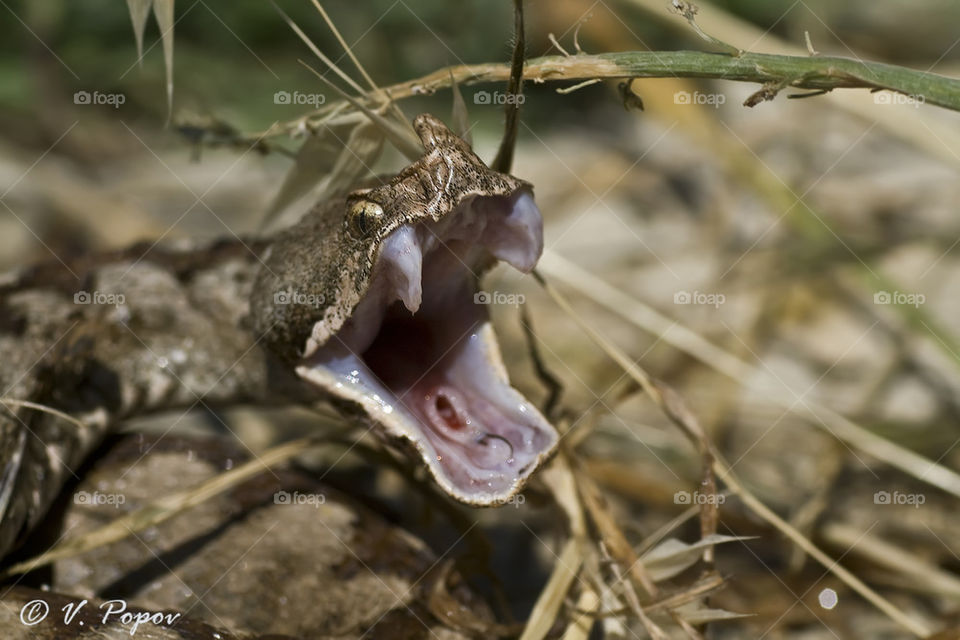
(421, 358)
(479, 437)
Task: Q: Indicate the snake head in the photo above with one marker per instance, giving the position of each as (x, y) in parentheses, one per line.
(374, 298)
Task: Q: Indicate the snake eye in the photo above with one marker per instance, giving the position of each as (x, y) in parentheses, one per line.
(363, 217)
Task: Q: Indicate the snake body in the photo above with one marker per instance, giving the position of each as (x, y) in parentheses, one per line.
(368, 301)
(112, 336)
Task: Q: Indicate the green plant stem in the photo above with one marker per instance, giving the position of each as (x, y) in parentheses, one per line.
(817, 73)
(805, 72)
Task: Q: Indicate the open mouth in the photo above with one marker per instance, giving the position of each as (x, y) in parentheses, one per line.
(419, 354)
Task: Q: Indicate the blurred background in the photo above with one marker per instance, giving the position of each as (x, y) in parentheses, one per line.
(230, 61)
(815, 240)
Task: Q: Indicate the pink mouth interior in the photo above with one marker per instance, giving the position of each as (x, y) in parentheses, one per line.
(430, 367)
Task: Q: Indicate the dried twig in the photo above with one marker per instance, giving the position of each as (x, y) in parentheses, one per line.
(164, 508)
(673, 408)
(689, 11)
(504, 159)
(730, 365)
(803, 72)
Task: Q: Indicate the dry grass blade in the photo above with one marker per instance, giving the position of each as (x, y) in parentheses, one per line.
(40, 407)
(654, 538)
(551, 407)
(926, 574)
(346, 48)
(139, 12)
(400, 132)
(724, 472)
(401, 137)
(361, 150)
(702, 587)
(316, 51)
(383, 95)
(163, 11)
(753, 503)
(613, 537)
(164, 508)
(582, 622)
(460, 118)
(665, 398)
(673, 556)
(562, 483)
(548, 605)
(694, 614)
(327, 155)
(744, 373)
(314, 160)
(630, 594)
(504, 159)
(649, 386)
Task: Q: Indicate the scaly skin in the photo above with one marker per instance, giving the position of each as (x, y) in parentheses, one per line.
(177, 340)
(335, 268)
(198, 324)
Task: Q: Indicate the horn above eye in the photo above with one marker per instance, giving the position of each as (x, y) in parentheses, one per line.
(363, 217)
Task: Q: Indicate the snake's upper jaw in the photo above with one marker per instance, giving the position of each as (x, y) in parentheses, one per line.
(420, 357)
